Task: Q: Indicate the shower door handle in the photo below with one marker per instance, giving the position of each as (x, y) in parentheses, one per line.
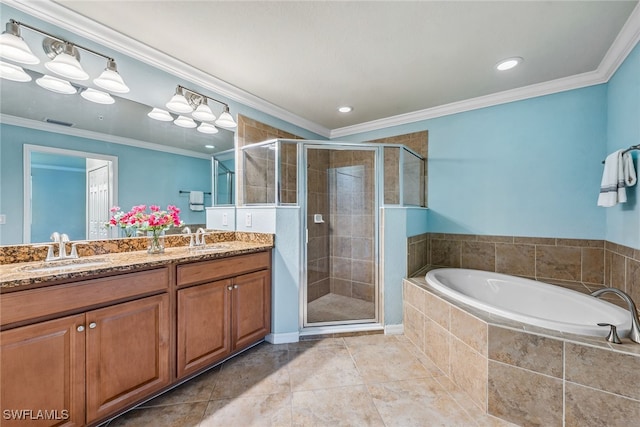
(306, 236)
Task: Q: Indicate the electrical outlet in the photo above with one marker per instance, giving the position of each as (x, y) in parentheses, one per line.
(225, 220)
(3, 219)
(247, 220)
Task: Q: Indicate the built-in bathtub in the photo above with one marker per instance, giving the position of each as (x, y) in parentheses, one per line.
(520, 372)
(530, 301)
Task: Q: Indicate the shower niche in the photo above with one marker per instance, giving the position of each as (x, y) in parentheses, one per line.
(340, 189)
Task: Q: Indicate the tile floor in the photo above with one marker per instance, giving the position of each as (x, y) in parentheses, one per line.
(368, 380)
(332, 307)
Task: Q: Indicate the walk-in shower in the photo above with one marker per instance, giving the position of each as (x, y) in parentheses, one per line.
(339, 191)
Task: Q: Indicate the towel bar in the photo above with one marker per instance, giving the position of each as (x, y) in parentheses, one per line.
(633, 147)
(183, 192)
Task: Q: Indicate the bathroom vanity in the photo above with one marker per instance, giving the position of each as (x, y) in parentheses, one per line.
(81, 345)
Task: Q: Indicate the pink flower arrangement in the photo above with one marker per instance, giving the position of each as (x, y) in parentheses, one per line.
(139, 219)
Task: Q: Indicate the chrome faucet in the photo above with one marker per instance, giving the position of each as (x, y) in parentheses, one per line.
(61, 240)
(187, 232)
(634, 333)
(200, 233)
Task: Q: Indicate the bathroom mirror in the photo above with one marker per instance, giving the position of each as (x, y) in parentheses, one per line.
(148, 153)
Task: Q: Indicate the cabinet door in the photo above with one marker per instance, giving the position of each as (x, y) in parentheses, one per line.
(127, 354)
(251, 308)
(43, 372)
(203, 325)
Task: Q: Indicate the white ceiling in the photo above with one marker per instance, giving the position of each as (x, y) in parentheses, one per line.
(385, 58)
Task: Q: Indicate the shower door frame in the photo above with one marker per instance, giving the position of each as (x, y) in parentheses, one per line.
(341, 325)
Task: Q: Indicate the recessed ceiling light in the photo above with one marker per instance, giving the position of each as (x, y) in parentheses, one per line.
(509, 63)
(209, 146)
(345, 109)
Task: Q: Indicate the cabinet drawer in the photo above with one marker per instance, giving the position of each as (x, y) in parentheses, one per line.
(207, 271)
(46, 302)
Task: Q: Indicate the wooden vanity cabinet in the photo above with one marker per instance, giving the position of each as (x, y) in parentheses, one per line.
(84, 367)
(224, 306)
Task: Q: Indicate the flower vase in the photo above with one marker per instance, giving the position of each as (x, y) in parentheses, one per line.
(155, 240)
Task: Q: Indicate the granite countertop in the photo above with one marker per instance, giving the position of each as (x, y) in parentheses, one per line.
(26, 274)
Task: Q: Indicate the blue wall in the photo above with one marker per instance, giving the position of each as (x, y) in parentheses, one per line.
(58, 203)
(526, 168)
(623, 130)
(144, 176)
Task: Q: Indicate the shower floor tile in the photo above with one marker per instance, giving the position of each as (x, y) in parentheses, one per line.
(334, 307)
(269, 385)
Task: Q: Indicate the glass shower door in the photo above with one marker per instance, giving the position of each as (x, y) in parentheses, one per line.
(341, 252)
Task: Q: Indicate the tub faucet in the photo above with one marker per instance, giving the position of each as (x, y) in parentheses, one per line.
(634, 333)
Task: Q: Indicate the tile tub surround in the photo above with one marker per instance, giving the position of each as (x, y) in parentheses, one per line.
(579, 264)
(28, 253)
(521, 373)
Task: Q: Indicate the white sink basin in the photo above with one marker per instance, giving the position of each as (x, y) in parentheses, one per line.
(65, 265)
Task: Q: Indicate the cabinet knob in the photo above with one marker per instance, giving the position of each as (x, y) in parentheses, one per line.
(80, 328)
(235, 286)
(229, 287)
(92, 325)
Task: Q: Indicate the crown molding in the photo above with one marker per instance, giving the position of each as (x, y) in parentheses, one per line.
(82, 133)
(58, 15)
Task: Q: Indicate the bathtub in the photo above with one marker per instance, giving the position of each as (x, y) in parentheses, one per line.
(529, 301)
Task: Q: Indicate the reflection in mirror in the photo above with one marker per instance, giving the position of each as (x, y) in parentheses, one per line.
(67, 191)
(223, 178)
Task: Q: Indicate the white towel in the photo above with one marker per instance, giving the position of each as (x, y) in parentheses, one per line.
(618, 174)
(629, 171)
(196, 200)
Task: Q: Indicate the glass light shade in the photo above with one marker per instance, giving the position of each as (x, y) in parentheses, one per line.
(55, 84)
(13, 47)
(67, 66)
(160, 114)
(97, 96)
(13, 72)
(185, 122)
(225, 120)
(112, 81)
(207, 128)
(203, 113)
(179, 104)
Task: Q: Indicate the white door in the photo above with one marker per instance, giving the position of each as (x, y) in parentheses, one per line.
(98, 202)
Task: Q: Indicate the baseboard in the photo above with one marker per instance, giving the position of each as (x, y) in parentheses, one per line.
(283, 338)
(394, 329)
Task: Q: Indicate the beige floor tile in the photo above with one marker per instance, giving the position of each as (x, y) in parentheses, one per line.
(198, 389)
(322, 368)
(388, 362)
(258, 372)
(369, 340)
(341, 406)
(317, 344)
(183, 415)
(418, 402)
(249, 411)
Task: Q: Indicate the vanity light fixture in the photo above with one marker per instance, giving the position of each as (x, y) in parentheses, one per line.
(13, 47)
(65, 57)
(13, 72)
(185, 122)
(97, 96)
(56, 85)
(345, 109)
(178, 103)
(226, 120)
(203, 112)
(110, 79)
(65, 61)
(509, 63)
(207, 128)
(160, 114)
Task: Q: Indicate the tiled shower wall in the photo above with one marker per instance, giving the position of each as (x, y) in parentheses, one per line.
(318, 283)
(580, 264)
(352, 204)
